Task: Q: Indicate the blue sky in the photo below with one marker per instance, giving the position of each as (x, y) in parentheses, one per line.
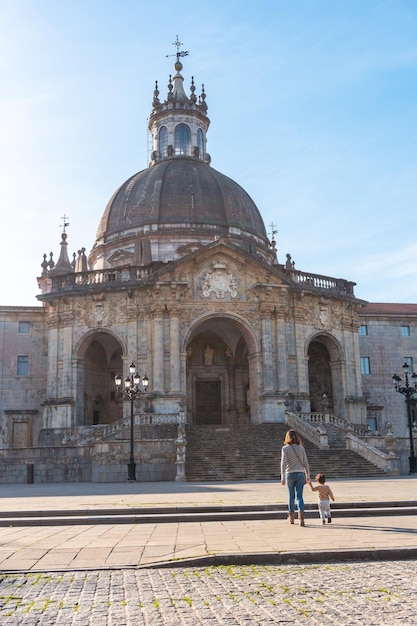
(313, 108)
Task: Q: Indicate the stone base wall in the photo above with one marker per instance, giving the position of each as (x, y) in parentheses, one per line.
(104, 462)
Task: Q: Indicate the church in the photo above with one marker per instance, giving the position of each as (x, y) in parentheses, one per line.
(184, 284)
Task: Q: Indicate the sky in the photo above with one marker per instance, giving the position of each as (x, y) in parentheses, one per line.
(313, 109)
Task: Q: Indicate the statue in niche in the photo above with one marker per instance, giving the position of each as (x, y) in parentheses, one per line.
(208, 355)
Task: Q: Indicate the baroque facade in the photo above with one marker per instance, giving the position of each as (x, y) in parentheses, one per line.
(183, 280)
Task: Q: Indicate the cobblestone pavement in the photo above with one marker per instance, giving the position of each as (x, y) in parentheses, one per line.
(371, 593)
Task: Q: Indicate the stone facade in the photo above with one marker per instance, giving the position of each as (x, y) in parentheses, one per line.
(388, 338)
(23, 374)
(183, 281)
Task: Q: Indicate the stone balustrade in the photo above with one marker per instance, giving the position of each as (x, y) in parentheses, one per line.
(340, 422)
(130, 273)
(323, 282)
(306, 429)
(87, 435)
(389, 462)
(76, 280)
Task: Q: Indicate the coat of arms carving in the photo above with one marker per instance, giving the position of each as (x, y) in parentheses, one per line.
(219, 281)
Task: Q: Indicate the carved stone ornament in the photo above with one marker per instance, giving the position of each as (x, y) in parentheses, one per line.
(324, 317)
(219, 281)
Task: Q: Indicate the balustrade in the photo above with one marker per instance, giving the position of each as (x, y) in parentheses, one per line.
(98, 277)
(90, 434)
(322, 282)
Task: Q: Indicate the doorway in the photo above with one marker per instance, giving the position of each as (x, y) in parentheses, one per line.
(208, 404)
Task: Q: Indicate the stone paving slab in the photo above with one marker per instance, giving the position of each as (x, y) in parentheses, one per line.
(90, 546)
(101, 547)
(82, 496)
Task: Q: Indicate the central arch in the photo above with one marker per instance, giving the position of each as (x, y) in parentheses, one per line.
(220, 373)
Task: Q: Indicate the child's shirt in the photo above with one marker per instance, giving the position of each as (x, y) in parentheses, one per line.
(324, 492)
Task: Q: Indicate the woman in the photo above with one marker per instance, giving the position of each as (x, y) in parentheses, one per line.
(295, 472)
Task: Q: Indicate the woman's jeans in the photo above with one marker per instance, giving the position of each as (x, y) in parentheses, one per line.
(295, 484)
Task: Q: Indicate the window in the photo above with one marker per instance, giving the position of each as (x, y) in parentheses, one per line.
(374, 415)
(405, 331)
(365, 365)
(409, 361)
(200, 141)
(163, 141)
(182, 140)
(24, 328)
(363, 329)
(22, 365)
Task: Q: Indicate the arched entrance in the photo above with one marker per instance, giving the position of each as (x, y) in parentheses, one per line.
(325, 382)
(218, 373)
(99, 360)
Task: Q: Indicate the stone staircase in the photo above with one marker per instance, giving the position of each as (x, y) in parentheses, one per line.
(252, 452)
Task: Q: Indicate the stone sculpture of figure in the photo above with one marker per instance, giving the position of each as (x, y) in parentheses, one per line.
(205, 285)
(208, 355)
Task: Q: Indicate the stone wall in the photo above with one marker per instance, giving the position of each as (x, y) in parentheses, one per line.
(104, 462)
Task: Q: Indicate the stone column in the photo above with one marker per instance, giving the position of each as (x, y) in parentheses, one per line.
(67, 390)
(174, 345)
(282, 359)
(158, 349)
(268, 365)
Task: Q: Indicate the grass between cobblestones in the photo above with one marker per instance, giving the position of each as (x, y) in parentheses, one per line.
(372, 593)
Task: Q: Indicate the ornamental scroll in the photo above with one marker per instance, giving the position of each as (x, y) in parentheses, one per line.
(219, 281)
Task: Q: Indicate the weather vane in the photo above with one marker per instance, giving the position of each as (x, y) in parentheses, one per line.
(182, 53)
(64, 222)
(274, 230)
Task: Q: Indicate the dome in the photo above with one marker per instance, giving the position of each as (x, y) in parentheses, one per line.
(180, 198)
(182, 192)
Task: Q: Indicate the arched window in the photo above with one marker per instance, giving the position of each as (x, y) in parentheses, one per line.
(163, 141)
(182, 139)
(200, 142)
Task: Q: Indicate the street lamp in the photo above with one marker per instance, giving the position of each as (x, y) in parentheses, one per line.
(408, 390)
(132, 389)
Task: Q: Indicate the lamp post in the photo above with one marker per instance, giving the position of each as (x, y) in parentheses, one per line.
(408, 390)
(131, 390)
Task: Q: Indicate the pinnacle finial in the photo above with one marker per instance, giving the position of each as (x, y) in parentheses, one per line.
(64, 224)
(180, 53)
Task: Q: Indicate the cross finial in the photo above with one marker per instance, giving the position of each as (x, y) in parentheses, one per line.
(64, 224)
(274, 230)
(183, 53)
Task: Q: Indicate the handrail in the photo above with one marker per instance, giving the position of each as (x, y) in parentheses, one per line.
(340, 422)
(387, 461)
(87, 435)
(313, 433)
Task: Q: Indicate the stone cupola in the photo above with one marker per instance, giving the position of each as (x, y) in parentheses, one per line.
(179, 124)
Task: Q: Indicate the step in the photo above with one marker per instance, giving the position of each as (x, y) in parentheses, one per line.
(201, 514)
(253, 452)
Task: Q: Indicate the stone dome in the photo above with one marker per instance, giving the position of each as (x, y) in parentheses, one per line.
(182, 200)
(179, 202)
(183, 193)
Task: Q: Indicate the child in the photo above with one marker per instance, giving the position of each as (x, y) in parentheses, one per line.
(325, 493)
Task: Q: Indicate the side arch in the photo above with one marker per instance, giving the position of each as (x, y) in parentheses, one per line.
(98, 357)
(326, 362)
